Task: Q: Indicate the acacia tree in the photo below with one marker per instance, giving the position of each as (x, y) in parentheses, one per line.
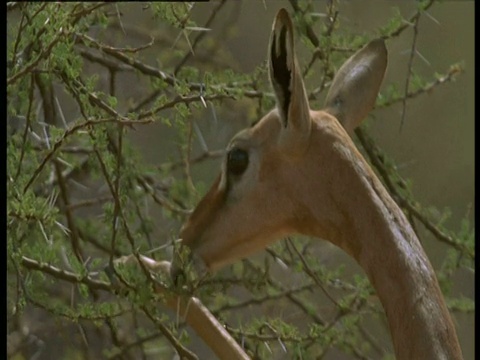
(81, 80)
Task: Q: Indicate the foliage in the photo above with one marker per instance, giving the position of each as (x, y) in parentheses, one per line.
(80, 194)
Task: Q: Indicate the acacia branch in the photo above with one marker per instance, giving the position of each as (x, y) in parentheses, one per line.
(453, 71)
(373, 153)
(65, 275)
(188, 308)
(225, 90)
(405, 24)
(197, 40)
(72, 130)
(194, 313)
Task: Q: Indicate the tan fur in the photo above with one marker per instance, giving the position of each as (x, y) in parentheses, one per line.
(328, 191)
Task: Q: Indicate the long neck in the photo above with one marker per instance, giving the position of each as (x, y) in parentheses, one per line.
(403, 277)
(373, 229)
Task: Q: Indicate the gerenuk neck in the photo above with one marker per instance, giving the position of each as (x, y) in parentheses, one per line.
(377, 234)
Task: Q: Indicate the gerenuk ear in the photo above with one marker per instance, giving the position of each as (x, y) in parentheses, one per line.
(356, 84)
(287, 83)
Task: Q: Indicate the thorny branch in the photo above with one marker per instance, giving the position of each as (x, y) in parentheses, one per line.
(65, 275)
(453, 71)
(200, 36)
(413, 50)
(254, 279)
(370, 147)
(375, 155)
